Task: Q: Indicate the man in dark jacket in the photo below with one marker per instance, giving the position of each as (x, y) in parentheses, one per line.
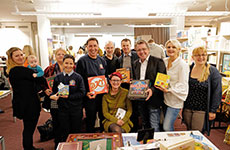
(147, 67)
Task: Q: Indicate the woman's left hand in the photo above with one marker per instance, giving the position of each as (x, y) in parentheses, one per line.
(120, 122)
(212, 116)
(161, 88)
(149, 93)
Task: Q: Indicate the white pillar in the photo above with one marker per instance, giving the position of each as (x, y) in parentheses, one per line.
(44, 32)
(179, 22)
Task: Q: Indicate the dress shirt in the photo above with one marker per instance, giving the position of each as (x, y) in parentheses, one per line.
(143, 68)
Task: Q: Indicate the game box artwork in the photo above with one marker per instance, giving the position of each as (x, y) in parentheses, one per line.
(98, 84)
(137, 89)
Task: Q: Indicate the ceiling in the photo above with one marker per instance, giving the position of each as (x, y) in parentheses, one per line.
(111, 12)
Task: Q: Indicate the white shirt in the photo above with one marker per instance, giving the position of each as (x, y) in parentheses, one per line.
(178, 85)
(143, 68)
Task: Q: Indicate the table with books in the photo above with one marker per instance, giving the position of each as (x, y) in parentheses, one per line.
(4, 93)
(188, 140)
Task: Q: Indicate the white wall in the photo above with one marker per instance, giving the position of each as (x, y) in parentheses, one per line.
(77, 37)
(14, 35)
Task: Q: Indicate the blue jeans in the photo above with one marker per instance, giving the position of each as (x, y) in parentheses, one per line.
(154, 118)
(170, 117)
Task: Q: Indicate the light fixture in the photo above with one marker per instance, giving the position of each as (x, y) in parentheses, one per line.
(75, 26)
(152, 26)
(194, 13)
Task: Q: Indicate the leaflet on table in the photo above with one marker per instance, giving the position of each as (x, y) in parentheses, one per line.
(162, 80)
(70, 145)
(63, 89)
(98, 84)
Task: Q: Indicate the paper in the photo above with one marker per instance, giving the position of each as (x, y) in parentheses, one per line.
(120, 113)
(98, 145)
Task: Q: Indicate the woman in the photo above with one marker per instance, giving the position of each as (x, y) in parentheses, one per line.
(27, 50)
(205, 93)
(26, 103)
(51, 71)
(177, 92)
(70, 105)
(116, 98)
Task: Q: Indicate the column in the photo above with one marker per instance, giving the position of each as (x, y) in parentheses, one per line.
(179, 22)
(44, 32)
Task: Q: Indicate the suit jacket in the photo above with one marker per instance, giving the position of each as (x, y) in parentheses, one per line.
(154, 66)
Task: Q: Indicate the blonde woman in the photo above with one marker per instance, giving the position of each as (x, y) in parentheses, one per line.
(27, 50)
(177, 92)
(26, 104)
(205, 92)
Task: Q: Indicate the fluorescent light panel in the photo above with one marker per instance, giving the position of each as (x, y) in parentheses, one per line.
(75, 26)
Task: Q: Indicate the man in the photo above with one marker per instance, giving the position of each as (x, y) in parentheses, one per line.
(156, 50)
(126, 60)
(111, 60)
(88, 66)
(147, 67)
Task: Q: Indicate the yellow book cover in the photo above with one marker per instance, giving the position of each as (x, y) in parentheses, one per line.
(162, 80)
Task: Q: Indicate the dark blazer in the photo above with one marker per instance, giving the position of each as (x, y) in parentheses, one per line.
(134, 57)
(154, 66)
(26, 103)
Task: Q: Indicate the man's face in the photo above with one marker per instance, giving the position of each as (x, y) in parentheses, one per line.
(126, 46)
(109, 48)
(142, 51)
(92, 49)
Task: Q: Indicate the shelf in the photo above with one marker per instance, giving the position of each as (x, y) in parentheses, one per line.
(182, 39)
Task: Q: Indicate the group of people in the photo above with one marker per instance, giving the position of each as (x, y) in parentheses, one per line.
(195, 91)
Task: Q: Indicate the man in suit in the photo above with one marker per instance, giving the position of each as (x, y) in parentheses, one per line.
(147, 67)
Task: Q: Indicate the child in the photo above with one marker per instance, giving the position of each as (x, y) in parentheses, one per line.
(33, 64)
(70, 106)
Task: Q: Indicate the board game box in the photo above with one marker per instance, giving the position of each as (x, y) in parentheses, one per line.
(98, 84)
(137, 89)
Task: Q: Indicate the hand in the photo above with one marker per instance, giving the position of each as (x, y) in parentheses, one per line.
(212, 116)
(54, 97)
(120, 122)
(84, 114)
(149, 93)
(34, 75)
(64, 96)
(91, 95)
(48, 92)
(162, 89)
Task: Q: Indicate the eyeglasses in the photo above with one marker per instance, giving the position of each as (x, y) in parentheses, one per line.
(203, 55)
(116, 80)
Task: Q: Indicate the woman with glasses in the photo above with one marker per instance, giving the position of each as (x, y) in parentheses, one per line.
(177, 91)
(114, 101)
(205, 92)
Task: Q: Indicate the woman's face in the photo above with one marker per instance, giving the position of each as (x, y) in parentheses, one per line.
(172, 50)
(115, 82)
(68, 65)
(200, 58)
(18, 57)
(59, 56)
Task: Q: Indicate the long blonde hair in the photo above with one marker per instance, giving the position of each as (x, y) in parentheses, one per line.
(176, 43)
(28, 50)
(10, 63)
(205, 67)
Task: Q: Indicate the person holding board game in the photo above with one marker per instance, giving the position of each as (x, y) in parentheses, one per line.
(177, 91)
(116, 107)
(68, 91)
(146, 68)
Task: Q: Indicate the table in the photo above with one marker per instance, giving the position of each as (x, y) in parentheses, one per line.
(4, 93)
(158, 136)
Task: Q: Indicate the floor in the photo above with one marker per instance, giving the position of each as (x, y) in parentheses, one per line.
(12, 130)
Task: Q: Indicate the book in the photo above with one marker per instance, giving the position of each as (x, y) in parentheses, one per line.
(185, 143)
(120, 113)
(63, 89)
(98, 144)
(70, 145)
(98, 84)
(125, 72)
(137, 89)
(162, 80)
(50, 81)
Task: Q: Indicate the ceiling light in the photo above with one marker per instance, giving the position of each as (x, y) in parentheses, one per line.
(152, 25)
(194, 13)
(75, 26)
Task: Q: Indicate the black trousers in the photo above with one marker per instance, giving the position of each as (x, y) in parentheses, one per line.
(28, 131)
(54, 115)
(70, 121)
(92, 106)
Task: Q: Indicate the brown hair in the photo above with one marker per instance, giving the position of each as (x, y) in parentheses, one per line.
(205, 67)
(59, 49)
(142, 42)
(91, 39)
(117, 52)
(10, 63)
(126, 40)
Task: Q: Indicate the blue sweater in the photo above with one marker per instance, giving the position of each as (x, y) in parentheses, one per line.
(37, 70)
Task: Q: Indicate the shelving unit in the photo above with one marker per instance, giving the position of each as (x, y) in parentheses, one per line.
(58, 41)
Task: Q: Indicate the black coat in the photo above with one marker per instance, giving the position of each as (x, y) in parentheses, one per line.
(26, 103)
(154, 66)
